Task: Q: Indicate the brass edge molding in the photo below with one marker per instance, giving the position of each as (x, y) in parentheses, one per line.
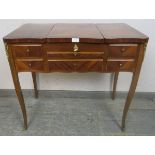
(6, 49)
(39, 45)
(132, 60)
(29, 60)
(70, 60)
(124, 45)
(145, 45)
(54, 52)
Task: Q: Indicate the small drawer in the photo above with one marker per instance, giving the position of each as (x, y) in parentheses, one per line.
(77, 66)
(27, 51)
(125, 66)
(122, 51)
(30, 66)
(71, 47)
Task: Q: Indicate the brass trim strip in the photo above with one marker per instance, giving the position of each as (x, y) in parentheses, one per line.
(49, 60)
(122, 57)
(120, 60)
(29, 59)
(26, 45)
(123, 45)
(50, 52)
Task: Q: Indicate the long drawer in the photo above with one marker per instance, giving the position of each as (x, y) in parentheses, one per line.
(77, 66)
(70, 47)
(75, 51)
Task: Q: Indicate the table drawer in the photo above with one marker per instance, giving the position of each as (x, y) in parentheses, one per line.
(61, 66)
(113, 66)
(71, 47)
(122, 50)
(27, 51)
(77, 66)
(77, 55)
(90, 66)
(25, 66)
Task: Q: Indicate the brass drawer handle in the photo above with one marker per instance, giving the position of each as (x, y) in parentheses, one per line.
(30, 64)
(75, 50)
(120, 64)
(123, 50)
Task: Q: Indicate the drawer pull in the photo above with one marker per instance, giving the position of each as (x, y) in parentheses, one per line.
(120, 64)
(28, 50)
(123, 49)
(30, 65)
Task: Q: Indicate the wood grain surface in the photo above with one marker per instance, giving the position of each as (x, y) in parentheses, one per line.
(91, 33)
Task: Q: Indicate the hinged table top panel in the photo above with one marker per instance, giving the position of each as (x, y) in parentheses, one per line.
(90, 33)
(121, 33)
(65, 33)
(29, 33)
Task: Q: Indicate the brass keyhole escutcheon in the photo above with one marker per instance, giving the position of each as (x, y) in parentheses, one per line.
(75, 50)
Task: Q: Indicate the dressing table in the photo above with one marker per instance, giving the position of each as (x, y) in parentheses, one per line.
(103, 48)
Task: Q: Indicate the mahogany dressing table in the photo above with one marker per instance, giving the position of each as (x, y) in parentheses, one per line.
(104, 48)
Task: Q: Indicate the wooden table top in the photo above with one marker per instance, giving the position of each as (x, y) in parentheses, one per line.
(90, 33)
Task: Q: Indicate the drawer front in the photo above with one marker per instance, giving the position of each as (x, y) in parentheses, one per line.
(113, 66)
(122, 51)
(78, 55)
(77, 66)
(61, 66)
(74, 51)
(70, 47)
(90, 66)
(27, 51)
(29, 66)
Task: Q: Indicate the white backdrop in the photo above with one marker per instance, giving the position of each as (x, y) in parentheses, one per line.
(86, 81)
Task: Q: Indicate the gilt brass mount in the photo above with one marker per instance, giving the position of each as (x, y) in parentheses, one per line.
(75, 50)
(6, 50)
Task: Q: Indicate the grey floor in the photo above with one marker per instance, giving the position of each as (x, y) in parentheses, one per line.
(81, 115)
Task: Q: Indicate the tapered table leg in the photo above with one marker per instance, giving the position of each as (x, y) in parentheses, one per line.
(133, 85)
(35, 84)
(20, 96)
(17, 86)
(129, 98)
(115, 84)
